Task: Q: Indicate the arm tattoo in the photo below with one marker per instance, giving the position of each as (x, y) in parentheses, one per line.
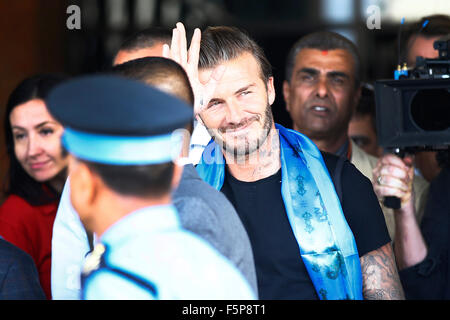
(380, 276)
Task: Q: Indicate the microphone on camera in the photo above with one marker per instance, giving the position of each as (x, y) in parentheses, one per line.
(401, 72)
(424, 24)
(399, 42)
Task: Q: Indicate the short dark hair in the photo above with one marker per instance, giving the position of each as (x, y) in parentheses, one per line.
(366, 105)
(324, 40)
(142, 181)
(438, 25)
(17, 180)
(158, 71)
(222, 43)
(146, 38)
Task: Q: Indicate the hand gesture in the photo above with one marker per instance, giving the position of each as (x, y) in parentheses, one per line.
(188, 59)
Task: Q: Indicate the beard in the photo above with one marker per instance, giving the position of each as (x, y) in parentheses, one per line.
(243, 145)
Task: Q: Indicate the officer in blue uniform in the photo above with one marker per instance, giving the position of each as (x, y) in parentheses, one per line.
(124, 150)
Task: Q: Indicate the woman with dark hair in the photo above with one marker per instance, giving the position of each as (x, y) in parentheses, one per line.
(37, 172)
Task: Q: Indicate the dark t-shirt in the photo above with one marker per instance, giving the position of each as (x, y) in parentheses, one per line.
(280, 270)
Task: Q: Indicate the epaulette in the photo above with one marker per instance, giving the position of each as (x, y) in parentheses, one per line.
(93, 260)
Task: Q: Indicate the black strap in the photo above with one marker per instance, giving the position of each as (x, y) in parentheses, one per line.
(337, 177)
(90, 237)
(135, 279)
(146, 284)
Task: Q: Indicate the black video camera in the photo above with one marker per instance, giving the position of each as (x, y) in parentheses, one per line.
(413, 111)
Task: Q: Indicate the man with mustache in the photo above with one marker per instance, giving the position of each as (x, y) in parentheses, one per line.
(305, 245)
(321, 91)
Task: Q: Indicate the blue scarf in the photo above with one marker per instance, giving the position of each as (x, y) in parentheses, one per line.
(326, 243)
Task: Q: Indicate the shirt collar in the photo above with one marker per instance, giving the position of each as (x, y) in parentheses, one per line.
(146, 220)
(343, 150)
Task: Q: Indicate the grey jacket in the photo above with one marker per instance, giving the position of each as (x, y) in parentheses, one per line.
(208, 213)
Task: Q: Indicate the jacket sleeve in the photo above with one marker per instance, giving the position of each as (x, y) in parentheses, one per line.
(424, 281)
(19, 279)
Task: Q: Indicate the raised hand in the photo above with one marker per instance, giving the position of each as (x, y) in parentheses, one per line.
(188, 59)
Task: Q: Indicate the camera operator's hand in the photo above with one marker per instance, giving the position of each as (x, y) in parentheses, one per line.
(393, 176)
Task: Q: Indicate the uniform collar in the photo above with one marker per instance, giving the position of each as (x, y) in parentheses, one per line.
(146, 220)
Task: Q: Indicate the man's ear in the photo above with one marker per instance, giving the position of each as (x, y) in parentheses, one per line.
(270, 90)
(286, 92)
(83, 186)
